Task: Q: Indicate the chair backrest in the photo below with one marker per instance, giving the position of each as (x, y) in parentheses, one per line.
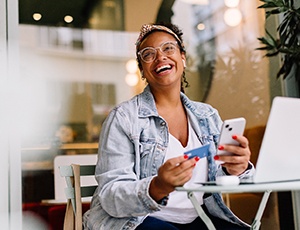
(75, 191)
(59, 182)
(69, 174)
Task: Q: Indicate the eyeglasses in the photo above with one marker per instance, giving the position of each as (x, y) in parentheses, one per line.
(148, 54)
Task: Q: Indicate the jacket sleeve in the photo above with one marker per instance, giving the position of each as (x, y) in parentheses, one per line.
(121, 192)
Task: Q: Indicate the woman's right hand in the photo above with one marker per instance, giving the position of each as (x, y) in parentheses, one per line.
(174, 172)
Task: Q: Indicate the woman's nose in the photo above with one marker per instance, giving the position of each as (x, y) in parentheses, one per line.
(160, 55)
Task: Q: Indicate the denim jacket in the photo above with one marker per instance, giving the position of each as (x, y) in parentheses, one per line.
(132, 147)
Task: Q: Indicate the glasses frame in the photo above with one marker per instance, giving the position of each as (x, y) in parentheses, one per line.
(155, 50)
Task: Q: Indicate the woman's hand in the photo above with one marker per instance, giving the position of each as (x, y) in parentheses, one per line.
(174, 172)
(236, 164)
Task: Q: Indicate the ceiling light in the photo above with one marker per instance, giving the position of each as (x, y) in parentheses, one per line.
(37, 16)
(131, 79)
(68, 19)
(131, 66)
(201, 26)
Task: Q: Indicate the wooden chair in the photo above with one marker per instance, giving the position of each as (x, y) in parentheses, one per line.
(60, 182)
(75, 192)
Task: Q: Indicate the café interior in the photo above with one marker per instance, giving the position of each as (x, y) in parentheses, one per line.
(70, 62)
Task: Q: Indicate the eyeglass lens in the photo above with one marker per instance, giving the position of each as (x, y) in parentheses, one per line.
(148, 54)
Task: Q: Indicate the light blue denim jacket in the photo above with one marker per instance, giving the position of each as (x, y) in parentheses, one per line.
(132, 147)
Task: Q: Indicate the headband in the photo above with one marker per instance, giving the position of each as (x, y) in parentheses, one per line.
(147, 28)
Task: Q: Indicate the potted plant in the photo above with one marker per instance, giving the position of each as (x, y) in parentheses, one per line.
(287, 42)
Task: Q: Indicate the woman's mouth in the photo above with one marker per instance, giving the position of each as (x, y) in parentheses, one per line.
(162, 68)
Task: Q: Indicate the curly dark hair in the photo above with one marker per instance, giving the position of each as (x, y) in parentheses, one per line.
(179, 33)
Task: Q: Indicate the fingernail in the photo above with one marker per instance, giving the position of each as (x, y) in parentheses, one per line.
(186, 156)
(221, 147)
(216, 157)
(197, 158)
(234, 137)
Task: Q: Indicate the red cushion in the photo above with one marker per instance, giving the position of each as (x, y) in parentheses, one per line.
(56, 215)
(52, 214)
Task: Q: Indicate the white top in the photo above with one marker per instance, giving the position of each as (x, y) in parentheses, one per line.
(179, 208)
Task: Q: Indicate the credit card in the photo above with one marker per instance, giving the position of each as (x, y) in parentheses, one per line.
(200, 152)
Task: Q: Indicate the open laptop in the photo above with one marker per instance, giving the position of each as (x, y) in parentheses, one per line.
(279, 155)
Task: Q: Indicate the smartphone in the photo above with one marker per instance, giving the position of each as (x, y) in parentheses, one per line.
(235, 126)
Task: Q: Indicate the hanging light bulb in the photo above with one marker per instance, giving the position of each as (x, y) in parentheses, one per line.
(131, 79)
(231, 3)
(131, 66)
(232, 17)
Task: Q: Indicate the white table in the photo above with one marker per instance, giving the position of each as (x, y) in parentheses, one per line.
(267, 188)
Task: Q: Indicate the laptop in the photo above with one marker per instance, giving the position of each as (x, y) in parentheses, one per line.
(279, 155)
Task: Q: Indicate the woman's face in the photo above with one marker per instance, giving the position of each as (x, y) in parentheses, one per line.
(165, 70)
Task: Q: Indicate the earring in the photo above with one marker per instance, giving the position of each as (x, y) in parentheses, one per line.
(184, 65)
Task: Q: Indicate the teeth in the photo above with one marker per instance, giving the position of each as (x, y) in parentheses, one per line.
(162, 67)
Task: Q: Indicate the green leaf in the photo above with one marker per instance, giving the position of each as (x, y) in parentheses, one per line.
(272, 41)
(272, 54)
(288, 42)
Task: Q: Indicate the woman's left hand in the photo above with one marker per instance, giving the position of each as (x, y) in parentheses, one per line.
(237, 163)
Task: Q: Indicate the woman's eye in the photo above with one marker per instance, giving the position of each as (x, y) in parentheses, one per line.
(168, 48)
(146, 54)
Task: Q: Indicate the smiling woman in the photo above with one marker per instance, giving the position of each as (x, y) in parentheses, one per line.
(142, 144)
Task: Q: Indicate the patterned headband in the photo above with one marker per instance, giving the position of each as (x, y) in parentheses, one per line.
(147, 28)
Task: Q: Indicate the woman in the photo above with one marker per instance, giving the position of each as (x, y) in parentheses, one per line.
(141, 148)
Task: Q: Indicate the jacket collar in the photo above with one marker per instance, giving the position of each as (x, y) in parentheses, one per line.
(146, 103)
(147, 106)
